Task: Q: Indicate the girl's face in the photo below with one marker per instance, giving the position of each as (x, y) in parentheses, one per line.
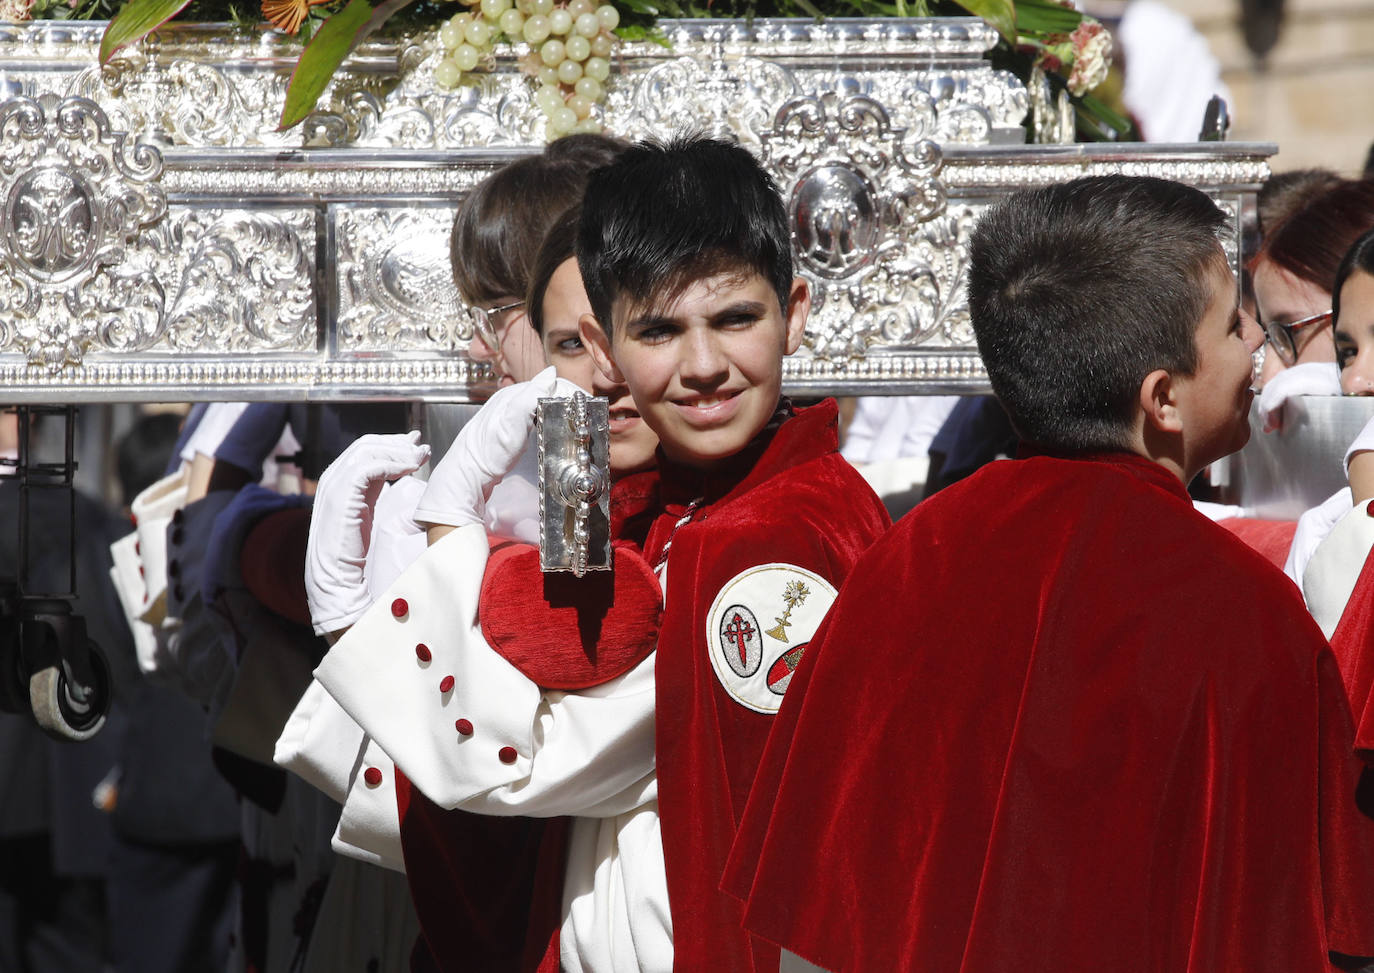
(518, 356)
(1354, 334)
(1282, 298)
(565, 300)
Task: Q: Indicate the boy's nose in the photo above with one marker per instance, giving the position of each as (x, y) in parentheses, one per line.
(703, 361)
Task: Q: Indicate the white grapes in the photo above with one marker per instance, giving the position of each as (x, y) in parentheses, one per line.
(570, 47)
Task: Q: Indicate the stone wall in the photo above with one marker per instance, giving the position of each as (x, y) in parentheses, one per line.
(1314, 95)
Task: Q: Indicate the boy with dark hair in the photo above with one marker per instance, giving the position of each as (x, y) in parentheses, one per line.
(756, 521)
(1082, 746)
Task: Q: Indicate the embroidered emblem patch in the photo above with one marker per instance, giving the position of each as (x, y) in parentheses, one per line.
(753, 662)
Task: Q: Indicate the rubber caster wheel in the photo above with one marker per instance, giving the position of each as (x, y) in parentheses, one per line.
(58, 713)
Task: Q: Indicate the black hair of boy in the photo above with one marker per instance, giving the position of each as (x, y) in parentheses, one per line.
(666, 214)
(1079, 290)
(501, 222)
(559, 246)
(1359, 257)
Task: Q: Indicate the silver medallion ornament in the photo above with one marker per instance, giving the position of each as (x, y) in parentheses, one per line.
(75, 196)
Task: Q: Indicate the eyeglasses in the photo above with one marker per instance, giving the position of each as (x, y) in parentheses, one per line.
(1281, 335)
(485, 324)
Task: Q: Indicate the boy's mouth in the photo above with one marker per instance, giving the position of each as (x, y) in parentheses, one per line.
(708, 409)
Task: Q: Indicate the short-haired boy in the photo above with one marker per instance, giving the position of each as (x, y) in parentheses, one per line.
(686, 255)
(1088, 729)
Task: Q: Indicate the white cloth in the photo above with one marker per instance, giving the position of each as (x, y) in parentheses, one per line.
(214, 425)
(327, 749)
(1307, 378)
(1335, 566)
(1313, 527)
(1219, 511)
(1170, 72)
(588, 754)
(890, 427)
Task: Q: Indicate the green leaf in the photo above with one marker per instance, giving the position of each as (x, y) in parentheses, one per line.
(1045, 17)
(999, 13)
(135, 21)
(334, 41)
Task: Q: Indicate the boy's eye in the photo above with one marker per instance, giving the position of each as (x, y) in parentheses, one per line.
(655, 333)
(1345, 354)
(569, 346)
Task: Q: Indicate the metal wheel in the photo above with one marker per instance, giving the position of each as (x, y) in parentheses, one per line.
(59, 713)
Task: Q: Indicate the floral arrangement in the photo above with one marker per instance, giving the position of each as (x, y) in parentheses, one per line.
(570, 43)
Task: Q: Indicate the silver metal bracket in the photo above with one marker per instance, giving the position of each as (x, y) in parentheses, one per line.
(574, 484)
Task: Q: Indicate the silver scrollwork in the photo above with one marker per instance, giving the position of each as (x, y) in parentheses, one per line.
(860, 190)
(76, 196)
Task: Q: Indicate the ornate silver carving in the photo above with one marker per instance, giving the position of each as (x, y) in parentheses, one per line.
(396, 289)
(75, 196)
(245, 265)
(859, 189)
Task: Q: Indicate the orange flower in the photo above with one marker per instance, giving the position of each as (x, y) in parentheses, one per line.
(287, 15)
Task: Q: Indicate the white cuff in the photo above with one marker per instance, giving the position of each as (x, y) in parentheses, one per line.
(415, 673)
(1335, 566)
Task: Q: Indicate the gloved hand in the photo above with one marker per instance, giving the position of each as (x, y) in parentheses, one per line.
(1309, 378)
(341, 524)
(485, 450)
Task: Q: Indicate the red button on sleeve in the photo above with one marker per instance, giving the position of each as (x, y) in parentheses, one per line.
(464, 727)
(373, 776)
(399, 608)
(507, 755)
(422, 652)
(445, 684)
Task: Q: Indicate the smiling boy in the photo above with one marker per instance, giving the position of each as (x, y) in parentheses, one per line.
(685, 252)
(1099, 732)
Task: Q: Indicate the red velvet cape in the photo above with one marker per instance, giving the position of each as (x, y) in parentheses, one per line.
(1353, 643)
(1058, 720)
(789, 498)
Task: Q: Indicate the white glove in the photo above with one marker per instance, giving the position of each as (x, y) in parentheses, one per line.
(485, 450)
(341, 524)
(1363, 442)
(1309, 378)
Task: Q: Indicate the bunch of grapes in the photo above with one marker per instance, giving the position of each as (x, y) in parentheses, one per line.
(570, 43)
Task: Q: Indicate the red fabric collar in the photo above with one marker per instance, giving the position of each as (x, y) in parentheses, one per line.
(803, 434)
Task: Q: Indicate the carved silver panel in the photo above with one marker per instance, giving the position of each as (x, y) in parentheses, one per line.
(221, 259)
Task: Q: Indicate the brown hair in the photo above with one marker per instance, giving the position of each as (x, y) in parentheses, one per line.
(502, 222)
(1286, 192)
(560, 245)
(1315, 236)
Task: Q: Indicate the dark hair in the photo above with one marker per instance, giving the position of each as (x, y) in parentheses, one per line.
(1077, 291)
(666, 214)
(1284, 193)
(501, 222)
(1313, 239)
(560, 245)
(1360, 256)
(143, 452)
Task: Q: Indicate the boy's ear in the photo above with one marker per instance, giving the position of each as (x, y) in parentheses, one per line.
(599, 347)
(797, 311)
(1159, 402)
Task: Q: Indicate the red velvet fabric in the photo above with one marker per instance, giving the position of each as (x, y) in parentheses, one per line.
(488, 891)
(1271, 538)
(792, 499)
(273, 562)
(1353, 643)
(1058, 720)
(565, 632)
